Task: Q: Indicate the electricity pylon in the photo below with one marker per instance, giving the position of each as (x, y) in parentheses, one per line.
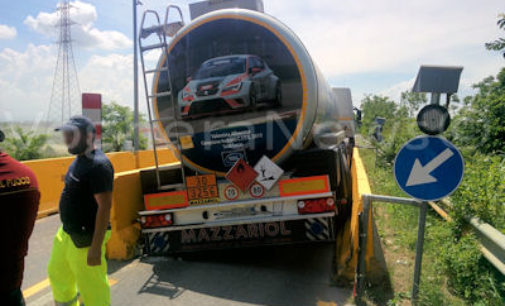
(65, 95)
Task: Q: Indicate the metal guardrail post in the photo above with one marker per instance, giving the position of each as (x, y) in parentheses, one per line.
(419, 250)
(363, 235)
(359, 269)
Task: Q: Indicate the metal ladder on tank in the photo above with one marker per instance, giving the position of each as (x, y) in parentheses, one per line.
(161, 31)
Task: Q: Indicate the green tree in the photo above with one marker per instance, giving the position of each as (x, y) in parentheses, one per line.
(481, 121)
(25, 145)
(117, 127)
(498, 44)
(402, 128)
(374, 106)
(413, 101)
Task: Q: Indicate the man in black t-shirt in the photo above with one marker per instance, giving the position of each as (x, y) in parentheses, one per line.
(78, 257)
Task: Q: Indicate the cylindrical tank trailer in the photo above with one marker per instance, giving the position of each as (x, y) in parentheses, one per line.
(244, 86)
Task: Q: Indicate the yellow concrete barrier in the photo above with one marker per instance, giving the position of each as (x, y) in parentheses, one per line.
(146, 158)
(50, 175)
(127, 201)
(51, 172)
(127, 197)
(122, 161)
(348, 238)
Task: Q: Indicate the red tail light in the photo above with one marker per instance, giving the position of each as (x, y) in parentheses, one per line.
(316, 205)
(151, 221)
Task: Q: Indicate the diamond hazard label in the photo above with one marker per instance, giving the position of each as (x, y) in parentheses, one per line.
(241, 175)
(268, 171)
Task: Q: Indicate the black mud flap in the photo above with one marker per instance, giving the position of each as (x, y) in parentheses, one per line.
(239, 236)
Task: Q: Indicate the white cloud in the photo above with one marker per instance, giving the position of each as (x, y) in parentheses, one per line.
(25, 81)
(7, 32)
(345, 38)
(389, 37)
(84, 32)
(395, 91)
(475, 69)
(110, 75)
(368, 36)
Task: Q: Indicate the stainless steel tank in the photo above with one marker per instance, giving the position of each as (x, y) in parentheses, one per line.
(244, 86)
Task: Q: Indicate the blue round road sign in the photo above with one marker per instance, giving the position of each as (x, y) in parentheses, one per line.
(428, 168)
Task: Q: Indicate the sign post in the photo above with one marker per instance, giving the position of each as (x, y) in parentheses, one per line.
(427, 168)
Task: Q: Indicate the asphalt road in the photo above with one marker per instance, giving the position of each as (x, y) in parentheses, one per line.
(288, 275)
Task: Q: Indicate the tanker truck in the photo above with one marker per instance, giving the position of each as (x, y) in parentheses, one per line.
(264, 142)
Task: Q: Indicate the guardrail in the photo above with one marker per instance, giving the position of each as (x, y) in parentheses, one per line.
(364, 233)
(492, 241)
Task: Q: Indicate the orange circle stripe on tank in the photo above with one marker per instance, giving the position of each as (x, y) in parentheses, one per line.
(280, 37)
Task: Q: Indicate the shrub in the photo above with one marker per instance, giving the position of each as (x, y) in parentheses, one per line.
(401, 129)
(469, 274)
(482, 192)
(25, 145)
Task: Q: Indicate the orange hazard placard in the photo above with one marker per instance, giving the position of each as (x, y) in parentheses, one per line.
(202, 189)
(304, 185)
(166, 200)
(242, 175)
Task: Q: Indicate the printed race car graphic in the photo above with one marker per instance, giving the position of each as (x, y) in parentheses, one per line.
(229, 83)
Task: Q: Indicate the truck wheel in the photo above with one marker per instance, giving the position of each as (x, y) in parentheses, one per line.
(278, 95)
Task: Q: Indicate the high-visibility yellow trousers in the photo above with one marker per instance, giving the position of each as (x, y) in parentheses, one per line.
(69, 273)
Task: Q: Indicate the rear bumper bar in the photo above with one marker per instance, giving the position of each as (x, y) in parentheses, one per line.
(238, 203)
(240, 233)
(238, 222)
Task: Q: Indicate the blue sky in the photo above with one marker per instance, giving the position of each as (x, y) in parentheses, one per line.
(369, 46)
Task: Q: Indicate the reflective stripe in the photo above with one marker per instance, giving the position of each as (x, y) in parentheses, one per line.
(69, 303)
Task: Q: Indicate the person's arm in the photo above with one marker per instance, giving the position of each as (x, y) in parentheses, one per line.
(104, 201)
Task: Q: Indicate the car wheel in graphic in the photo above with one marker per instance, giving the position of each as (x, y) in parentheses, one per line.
(278, 95)
(252, 97)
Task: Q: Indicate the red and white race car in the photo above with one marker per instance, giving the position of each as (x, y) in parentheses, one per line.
(229, 83)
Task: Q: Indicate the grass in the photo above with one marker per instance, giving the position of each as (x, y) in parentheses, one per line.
(397, 229)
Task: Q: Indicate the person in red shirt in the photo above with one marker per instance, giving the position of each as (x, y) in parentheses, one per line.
(19, 201)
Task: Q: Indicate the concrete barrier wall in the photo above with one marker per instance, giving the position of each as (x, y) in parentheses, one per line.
(50, 175)
(127, 196)
(127, 201)
(51, 172)
(146, 158)
(348, 238)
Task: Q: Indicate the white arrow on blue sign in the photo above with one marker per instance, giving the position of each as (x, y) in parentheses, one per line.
(428, 168)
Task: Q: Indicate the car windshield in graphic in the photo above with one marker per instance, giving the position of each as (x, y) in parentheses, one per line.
(220, 68)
